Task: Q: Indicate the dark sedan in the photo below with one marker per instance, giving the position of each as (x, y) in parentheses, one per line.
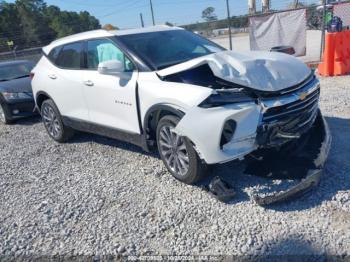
(16, 96)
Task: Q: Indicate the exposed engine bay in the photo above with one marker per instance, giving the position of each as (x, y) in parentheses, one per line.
(282, 121)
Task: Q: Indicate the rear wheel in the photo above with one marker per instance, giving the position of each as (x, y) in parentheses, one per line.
(4, 115)
(53, 122)
(178, 153)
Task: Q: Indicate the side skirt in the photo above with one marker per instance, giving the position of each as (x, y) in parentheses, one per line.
(113, 133)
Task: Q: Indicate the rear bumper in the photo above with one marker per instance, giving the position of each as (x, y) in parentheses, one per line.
(21, 109)
(313, 176)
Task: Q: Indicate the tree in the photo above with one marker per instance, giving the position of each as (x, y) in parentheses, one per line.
(110, 27)
(88, 22)
(31, 23)
(209, 15)
(169, 24)
(10, 25)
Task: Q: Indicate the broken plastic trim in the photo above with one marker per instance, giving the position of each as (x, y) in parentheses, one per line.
(221, 190)
(224, 98)
(313, 176)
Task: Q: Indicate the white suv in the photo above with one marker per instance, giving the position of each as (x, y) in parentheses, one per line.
(168, 88)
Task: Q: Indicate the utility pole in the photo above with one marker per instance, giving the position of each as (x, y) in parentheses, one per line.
(142, 23)
(252, 7)
(150, 2)
(229, 23)
(296, 3)
(265, 6)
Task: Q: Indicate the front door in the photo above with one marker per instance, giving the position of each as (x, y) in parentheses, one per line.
(111, 99)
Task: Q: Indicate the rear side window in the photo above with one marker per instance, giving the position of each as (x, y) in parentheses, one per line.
(70, 56)
(53, 55)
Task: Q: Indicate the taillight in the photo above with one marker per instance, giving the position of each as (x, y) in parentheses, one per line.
(31, 75)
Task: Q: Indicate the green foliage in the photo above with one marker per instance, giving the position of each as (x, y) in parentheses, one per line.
(110, 27)
(209, 15)
(31, 23)
(168, 24)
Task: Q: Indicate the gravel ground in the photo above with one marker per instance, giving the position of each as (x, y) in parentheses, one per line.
(96, 196)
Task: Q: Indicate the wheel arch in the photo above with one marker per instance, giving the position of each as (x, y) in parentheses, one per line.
(40, 97)
(151, 119)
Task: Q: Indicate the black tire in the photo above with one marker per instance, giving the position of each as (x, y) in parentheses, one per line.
(5, 115)
(181, 152)
(53, 123)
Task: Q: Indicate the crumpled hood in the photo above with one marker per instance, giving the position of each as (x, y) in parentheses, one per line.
(17, 85)
(264, 71)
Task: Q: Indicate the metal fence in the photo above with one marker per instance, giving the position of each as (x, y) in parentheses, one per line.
(32, 54)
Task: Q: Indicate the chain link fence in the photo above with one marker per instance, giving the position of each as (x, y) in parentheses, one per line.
(32, 54)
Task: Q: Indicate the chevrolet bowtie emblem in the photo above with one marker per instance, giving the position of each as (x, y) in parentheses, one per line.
(302, 96)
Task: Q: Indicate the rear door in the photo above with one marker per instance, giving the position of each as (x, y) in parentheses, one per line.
(111, 98)
(65, 80)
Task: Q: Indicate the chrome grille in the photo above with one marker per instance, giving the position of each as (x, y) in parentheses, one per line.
(295, 108)
(288, 116)
(303, 101)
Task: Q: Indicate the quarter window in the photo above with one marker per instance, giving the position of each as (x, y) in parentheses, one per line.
(70, 56)
(53, 55)
(103, 50)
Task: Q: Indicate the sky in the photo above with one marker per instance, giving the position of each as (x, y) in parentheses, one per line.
(126, 13)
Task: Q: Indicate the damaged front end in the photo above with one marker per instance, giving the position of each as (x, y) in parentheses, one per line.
(293, 142)
(264, 109)
(301, 159)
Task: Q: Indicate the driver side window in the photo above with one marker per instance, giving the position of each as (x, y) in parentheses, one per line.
(103, 50)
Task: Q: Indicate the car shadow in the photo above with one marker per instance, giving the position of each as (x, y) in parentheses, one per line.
(291, 248)
(82, 137)
(335, 177)
(28, 121)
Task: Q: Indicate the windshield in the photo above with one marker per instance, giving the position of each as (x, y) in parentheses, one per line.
(166, 48)
(15, 71)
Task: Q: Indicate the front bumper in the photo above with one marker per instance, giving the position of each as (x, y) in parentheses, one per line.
(204, 127)
(21, 108)
(318, 150)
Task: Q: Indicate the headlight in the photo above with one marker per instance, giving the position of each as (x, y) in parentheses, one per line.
(16, 96)
(226, 97)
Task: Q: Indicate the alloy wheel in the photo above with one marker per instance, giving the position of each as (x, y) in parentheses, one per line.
(51, 121)
(174, 151)
(2, 115)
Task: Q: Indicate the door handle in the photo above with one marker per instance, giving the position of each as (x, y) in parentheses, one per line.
(52, 76)
(88, 83)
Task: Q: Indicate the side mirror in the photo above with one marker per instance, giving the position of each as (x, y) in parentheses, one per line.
(112, 67)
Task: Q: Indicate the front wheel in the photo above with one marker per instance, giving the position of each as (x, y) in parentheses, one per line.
(178, 153)
(4, 115)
